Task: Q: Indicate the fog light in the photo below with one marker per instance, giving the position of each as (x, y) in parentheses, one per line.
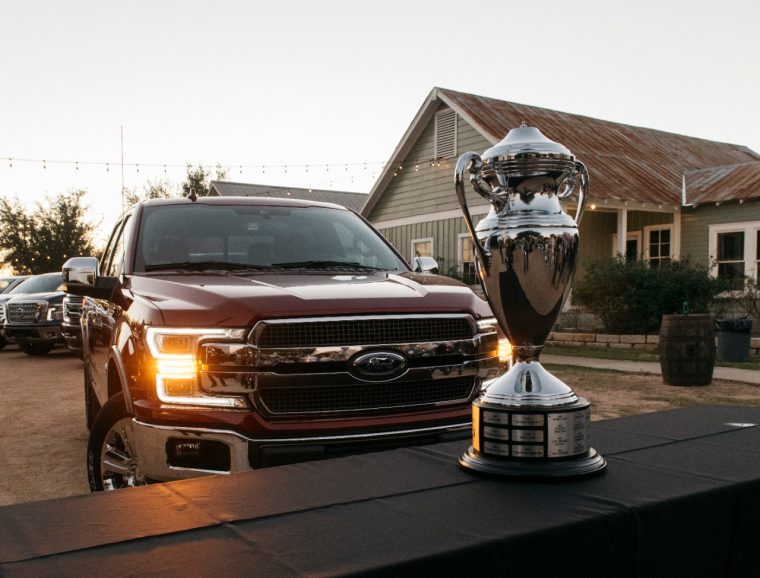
(206, 455)
(175, 387)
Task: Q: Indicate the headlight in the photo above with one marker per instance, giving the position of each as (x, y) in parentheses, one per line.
(491, 325)
(55, 313)
(174, 350)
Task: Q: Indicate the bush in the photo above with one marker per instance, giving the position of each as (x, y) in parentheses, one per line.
(631, 297)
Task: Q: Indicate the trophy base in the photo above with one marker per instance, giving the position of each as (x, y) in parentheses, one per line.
(587, 465)
(531, 441)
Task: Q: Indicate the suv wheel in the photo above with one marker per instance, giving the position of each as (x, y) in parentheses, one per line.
(36, 348)
(111, 451)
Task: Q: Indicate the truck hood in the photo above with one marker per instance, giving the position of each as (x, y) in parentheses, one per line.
(231, 300)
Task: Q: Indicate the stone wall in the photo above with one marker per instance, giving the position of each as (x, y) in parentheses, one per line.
(604, 341)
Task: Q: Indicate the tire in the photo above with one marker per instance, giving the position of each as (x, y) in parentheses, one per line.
(91, 405)
(36, 348)
(111, 456)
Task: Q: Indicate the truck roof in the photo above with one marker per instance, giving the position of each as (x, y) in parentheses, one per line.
(259, 201)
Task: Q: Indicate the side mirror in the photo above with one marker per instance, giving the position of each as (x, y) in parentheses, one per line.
(425, 265)
(80, 271)
(81, 276)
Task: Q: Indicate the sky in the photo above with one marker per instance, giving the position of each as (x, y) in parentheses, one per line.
(265, 89)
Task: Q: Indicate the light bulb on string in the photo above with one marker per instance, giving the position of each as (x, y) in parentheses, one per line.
(10, 162)
(44, 164)
(77, 165)
(108, 168)
(307, 168)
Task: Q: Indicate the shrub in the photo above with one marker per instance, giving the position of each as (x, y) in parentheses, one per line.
(631, 297)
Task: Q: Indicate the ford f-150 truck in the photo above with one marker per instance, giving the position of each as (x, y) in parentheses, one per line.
(223, 334)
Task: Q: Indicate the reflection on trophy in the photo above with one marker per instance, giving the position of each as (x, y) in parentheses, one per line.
(528, 423)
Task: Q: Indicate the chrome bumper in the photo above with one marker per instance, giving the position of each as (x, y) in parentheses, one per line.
(153, 441)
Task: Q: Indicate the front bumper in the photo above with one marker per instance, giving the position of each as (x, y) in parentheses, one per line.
(72, 335)
(33, 333)
(172, 453)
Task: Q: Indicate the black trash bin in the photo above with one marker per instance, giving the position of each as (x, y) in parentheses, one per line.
(733, 339)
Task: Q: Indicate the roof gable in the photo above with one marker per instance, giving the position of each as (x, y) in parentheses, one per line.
(625, 163)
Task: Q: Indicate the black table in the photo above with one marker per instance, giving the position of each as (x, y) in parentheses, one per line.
(681, 497)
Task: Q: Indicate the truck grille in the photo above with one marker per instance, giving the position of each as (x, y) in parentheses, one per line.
(363, 397)
(361, 331)
(26, 312)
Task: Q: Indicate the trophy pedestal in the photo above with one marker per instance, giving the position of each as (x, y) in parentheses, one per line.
(530, 425)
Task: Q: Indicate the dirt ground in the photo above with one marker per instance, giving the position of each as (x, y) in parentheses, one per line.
(43, 436)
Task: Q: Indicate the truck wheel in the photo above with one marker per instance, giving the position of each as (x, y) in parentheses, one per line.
(111, 456)
(36, 348)
(91, 405)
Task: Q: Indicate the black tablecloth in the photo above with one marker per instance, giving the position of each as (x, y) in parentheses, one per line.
(680, 497)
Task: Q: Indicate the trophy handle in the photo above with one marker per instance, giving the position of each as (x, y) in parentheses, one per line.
(471, 163)
(569, 186)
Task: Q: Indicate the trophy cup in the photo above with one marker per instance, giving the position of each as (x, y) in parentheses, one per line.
(527, 424)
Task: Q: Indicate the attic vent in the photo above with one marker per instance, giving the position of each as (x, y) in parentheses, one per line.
(445, 134)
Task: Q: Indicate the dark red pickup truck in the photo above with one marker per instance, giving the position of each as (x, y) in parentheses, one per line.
(224, 334)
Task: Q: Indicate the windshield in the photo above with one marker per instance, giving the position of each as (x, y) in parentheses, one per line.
(257, 238)
(39, 284)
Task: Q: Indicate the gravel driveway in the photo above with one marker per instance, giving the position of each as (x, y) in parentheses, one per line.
(43, 437)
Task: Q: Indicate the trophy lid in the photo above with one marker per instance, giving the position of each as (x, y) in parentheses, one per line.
(527, 143)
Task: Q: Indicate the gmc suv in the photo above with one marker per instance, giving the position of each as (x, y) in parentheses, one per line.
(224, 334)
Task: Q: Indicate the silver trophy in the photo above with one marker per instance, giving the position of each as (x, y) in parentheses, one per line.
(528, 423)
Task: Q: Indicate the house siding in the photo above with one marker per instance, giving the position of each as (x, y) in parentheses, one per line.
(420, 188)
(695, 222)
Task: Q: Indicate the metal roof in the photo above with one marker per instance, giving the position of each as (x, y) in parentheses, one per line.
(625, 163)
(349, 200)
(726, 183)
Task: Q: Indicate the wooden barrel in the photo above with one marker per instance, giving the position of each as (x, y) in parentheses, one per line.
(687, 349)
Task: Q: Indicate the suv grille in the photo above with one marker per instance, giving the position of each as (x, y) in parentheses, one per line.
(26, 312)
(367, 331)
(366, 396)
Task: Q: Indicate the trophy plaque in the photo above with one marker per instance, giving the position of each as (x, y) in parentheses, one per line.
(527, 423)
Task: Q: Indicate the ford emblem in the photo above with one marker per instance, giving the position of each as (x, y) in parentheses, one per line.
(379, 365)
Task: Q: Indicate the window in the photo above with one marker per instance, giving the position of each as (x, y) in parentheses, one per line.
(467, 259)
(422, 247)
(657, 245)
(113, 258)
(735, 250)
(445, 134)
(632, 242)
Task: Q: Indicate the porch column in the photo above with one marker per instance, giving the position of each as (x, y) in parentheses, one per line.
(622, 231)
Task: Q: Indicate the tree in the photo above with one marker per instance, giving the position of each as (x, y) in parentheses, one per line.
(200, 179)
(41, 241)
(158, 189)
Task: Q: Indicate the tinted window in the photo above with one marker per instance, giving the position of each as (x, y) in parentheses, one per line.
(256, 235)
(39, 284)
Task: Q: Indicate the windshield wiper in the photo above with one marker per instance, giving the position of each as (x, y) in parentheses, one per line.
(206, 265)
(326, 265)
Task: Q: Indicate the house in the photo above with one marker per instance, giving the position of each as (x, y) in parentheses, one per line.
(653, 195)
(353, 201)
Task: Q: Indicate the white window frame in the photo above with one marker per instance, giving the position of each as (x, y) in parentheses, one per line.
(422, 240)
(648, 229)
(460, 261)
(751, 256)
(630, 236)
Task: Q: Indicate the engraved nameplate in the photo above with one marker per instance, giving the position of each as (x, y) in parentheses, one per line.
(501, 418)
(497, 433)
(528, 435)
(496, 449)
(527, 420)
(527, 451)
(567, 433)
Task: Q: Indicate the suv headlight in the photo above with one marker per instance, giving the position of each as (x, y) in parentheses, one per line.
(174, 350)
(55, 313)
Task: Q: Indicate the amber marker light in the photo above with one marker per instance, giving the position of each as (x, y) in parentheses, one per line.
(177, 366)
